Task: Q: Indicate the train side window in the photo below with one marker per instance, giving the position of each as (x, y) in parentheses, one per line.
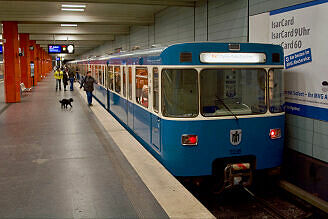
(276, 91)
(124, 81)
(117, 77)
(110, 77)
(155, 90)
(142, 86)
(105, 75)
(130, 84)
(100, 76)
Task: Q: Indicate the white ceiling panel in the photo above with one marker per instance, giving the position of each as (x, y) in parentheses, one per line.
(101, 20)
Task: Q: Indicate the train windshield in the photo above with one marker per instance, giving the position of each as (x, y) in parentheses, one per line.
(237, 91)
(180, 93)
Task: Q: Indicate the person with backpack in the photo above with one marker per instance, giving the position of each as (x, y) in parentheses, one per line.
(87, 83)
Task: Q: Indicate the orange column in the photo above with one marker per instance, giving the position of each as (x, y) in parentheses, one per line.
(11, 61)
(39, 62)
(43, 63)
(36, 65)
(25, 59)
(31, 52)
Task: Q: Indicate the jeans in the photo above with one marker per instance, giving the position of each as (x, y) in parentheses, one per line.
(72, 81)
(89, 97)
(58, 82)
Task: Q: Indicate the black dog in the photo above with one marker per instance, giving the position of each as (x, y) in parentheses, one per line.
(66, 102)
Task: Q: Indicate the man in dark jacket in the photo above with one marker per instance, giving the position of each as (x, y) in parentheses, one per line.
(71, 77)
(87, 83)
(65, 78)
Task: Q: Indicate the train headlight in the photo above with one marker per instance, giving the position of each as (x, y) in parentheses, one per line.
(189, 139)
(275, 133)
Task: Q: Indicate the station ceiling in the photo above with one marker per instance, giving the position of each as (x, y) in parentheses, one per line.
(100, 20)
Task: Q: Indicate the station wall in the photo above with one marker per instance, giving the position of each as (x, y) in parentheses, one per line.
(222, 21)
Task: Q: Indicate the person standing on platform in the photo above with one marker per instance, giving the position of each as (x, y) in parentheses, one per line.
(65, 79)
(87, 83)
(71, 77)
(58, 77)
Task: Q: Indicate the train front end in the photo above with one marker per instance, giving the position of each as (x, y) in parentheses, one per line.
(223, 116)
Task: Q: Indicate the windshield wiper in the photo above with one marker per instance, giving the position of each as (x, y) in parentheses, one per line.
(225, 105)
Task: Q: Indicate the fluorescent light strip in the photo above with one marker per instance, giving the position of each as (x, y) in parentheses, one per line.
(68, 25)
(74, 6)
(72, 9)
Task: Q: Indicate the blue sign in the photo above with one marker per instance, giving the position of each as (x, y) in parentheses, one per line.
(307, 111)
(298, 58)
(54, 49)
(1, 49)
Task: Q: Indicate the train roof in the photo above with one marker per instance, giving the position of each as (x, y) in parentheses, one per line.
(189, 54)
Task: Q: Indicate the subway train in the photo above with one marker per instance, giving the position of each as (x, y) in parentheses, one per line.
(202, 109)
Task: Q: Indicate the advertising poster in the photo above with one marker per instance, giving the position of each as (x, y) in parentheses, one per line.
(302, 31)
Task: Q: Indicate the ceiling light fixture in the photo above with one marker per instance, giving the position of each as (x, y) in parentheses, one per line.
(68, 25)
(72, 9)
(74, 6)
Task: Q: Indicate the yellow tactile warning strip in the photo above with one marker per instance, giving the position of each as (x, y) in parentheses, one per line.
(175, 199)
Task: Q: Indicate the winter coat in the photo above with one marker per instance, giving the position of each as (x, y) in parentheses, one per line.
(59, 74)
(87, 83)
(65, 78)
(71, 74)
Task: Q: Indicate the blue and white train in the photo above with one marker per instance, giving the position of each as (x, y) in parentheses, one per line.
(202, 109)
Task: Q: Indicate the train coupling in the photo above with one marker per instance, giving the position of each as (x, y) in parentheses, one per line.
(237, 174)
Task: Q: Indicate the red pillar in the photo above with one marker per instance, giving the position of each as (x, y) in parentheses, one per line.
(36, 66)
(31, 52)
(11, 61)
(44, 63)
(38, 62)
(25, 59)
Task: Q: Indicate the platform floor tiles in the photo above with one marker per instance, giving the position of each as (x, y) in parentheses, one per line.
(57, 163)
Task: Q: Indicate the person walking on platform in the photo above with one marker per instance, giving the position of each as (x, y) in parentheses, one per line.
(58, 77)
(71, 77)
(87, 83)
(65, 78)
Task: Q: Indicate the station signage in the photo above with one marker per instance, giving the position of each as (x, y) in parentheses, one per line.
(303, 38)
(57, 49)
(0, 49)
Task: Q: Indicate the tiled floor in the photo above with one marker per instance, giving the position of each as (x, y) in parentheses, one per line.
(62, 164)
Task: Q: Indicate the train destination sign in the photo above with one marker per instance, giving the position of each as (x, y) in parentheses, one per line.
(55, 49)
(232, 57)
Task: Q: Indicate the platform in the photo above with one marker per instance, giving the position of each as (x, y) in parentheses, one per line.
(64, 164)
(54, 164)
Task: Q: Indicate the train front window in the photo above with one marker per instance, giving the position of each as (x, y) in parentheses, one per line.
(232, 91)
(179, 93)
(276, 91)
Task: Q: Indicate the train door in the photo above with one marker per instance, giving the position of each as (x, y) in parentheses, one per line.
(155, 119)
(129, 96)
